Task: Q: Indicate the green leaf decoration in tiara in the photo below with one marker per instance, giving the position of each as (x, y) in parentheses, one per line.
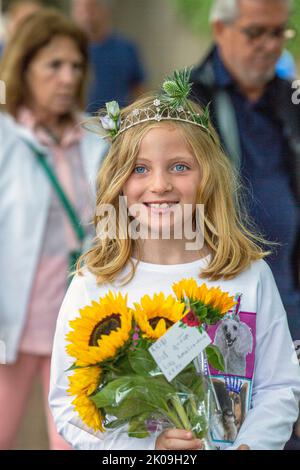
(176, 91)
(177, 88)
(204, 119)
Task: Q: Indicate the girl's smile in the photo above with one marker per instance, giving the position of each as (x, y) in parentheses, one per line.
(160, 207)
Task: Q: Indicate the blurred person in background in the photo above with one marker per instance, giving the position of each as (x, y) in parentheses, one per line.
(18, 11)
(259, 126)
(45, 68)
(117, 71)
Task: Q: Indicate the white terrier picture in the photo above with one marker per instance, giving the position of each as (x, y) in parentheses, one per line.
(235, 341)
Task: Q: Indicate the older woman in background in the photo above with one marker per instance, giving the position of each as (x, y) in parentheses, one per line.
(48, 166)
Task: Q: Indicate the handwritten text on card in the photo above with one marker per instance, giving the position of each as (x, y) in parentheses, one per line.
(177, 348)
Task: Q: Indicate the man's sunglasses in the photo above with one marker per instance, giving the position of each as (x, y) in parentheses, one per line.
(256, 33)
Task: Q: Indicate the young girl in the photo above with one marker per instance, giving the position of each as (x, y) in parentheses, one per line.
(164, 157)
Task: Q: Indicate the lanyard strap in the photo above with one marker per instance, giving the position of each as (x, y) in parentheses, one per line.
(69, 209)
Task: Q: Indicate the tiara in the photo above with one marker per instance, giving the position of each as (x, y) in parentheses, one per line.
(171, 104)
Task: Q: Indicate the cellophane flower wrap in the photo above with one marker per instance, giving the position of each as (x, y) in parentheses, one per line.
(117, 386)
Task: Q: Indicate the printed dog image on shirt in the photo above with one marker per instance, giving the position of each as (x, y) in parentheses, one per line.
(235, 341)
(232, 397)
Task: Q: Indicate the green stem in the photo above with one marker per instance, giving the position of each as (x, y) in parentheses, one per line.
(193, 406)
(181, 412)
(190, 108)
(174, 419)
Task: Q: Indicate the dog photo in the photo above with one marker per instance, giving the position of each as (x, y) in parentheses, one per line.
(235, 338)
(232, 399)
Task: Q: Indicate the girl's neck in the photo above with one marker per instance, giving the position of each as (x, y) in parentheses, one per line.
(168, 252)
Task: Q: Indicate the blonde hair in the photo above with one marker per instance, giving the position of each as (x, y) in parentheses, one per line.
(233, 246)
(34, 34)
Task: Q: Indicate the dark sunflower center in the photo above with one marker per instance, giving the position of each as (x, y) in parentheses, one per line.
(104, 327)
(153, 322)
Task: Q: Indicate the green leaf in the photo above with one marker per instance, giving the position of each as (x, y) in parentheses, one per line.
(200, 310)
(116, 423)
(190, 382)
(138, 426)
(171, 88)
(192, 390)
(123, 398)
(112, 391)
(177, 88)
(130, 396)
(215, 357)
(74, 367)
(130, 408)
(118, 369)
(122, 366)
(204, 118)
(143, 363)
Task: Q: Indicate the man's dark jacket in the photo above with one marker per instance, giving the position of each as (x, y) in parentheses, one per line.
(205, 90)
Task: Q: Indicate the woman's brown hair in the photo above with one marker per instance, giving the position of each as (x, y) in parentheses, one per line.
(35, 33)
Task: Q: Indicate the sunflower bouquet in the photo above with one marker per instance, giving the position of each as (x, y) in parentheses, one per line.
(115, 381)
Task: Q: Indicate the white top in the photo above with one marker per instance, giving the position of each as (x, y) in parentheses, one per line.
(275, 384)
(25, 195)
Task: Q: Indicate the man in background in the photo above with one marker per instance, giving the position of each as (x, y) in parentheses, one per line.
(259, 127)
(117, 72)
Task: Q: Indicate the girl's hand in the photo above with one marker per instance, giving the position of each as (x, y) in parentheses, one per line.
(177, 439)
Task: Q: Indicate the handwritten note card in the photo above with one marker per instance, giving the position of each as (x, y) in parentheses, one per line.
(177, 348)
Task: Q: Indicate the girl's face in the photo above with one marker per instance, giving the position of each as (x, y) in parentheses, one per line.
(54, 76)
(165, 179)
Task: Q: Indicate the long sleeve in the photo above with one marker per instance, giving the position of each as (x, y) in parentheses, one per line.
(276, 380)
(276, 386)
(68, 424)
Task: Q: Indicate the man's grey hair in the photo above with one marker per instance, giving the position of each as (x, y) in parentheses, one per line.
(227, 11)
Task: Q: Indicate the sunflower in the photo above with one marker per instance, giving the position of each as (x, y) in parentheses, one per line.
(213, 297)
(84, 380)
(155, 316)
(216, 298)
(83, 383)
(186, 288)
(100, 331)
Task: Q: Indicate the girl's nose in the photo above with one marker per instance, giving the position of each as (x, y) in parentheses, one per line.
(160, 183)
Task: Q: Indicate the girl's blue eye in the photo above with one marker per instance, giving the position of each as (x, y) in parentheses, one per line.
(180, 167)
(139, 170)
